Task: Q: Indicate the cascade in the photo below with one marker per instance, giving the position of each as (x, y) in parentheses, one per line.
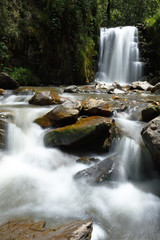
(119, 55)
(38, 182)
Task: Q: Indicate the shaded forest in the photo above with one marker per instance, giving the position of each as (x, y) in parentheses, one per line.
(56, 42)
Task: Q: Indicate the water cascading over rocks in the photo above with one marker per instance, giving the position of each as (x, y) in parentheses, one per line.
(119, 55)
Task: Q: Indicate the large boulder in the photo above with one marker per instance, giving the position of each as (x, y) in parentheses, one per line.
(93, 106)
(90, 134)
(28, 230)
(61, 115)
(46, 98)
(141, 85)
(6, 82)
(151, 138)
(106, 170)
(150, 112)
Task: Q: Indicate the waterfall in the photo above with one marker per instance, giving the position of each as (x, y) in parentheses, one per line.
(119, 55)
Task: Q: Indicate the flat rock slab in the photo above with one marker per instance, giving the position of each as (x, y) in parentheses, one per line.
(29, 230)
(93, 107)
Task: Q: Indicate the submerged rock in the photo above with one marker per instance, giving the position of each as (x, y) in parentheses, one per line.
(64, 114)
(150, 112)
(7, 82)
(87, 160)
(46, 98)
(91, 134)
(29, 230)
(151, 138)
(106, 170)
(93, 106)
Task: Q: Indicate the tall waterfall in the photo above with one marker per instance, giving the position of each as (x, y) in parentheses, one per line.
(119, 55)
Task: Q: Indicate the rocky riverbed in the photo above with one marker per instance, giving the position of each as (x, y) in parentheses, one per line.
(84, 120)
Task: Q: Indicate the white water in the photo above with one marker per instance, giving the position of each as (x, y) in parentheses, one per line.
(119, 55)
(38, 182)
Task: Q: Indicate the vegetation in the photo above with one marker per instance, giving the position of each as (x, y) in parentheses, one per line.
(58, 40)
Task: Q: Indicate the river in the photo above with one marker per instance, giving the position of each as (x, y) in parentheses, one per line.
(38, 182)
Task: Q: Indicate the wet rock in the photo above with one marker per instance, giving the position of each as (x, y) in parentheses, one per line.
(150, 112)
(151, 138)
(93, 106)
(24, 91)
(156, 88)
(71, 89)
(106, 170)
(3, 134)
(2, 91)
(46, 98)
(87, 160)
(61, 115)
(89, 134)
(6, 117)
(117, 91)
(6, 82)
(144, 86)
(29, 230)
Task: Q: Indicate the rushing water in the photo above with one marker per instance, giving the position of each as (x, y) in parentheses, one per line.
(119, 55)
(38, 182)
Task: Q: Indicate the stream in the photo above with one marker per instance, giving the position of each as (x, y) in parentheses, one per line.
(38, 182)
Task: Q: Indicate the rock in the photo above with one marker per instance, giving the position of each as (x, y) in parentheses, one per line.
(46, 98)
(151, 138)
(87, 160)
(71, 89)
(150, 112)
(156, 88)
(145, 86)
(3, 134)
(24, 91)
(61, 115)
(94, 107)
(29, 230)
(117, 91)
(87, 134)
(6, 82)
(5, 117)
(2, 91)
(106, 170)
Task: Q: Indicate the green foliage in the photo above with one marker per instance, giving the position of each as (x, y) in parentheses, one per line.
(23, 76)
(59, 39)
(4, 57)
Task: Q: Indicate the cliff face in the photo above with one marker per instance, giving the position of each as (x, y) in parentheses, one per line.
(57, 39)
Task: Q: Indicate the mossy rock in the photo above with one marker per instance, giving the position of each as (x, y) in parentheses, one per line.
(87, 134)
